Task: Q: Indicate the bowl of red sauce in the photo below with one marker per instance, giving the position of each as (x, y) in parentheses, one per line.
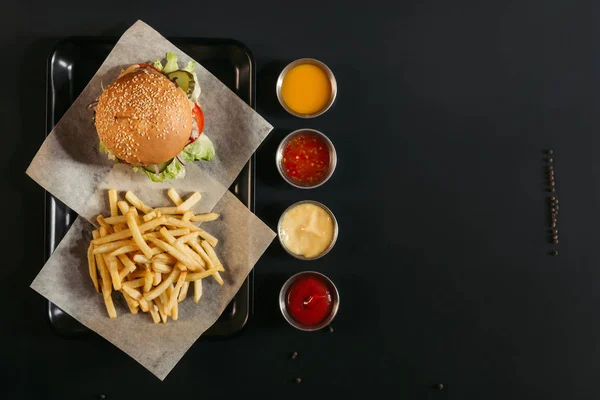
(309, 301)
(306, 158)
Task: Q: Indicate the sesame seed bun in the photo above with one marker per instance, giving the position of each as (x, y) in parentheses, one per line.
(143, 118)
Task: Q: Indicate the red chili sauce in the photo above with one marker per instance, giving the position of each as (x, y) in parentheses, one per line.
(306, 159)
(309, 300)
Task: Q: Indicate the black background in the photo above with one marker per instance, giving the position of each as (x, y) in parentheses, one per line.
(443, 112)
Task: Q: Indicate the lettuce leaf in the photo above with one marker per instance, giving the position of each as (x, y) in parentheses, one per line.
(190, 67)
(174, 170)
(111, 156)
(171, 64)
(196, 93)
(201, 149)
(158, 65)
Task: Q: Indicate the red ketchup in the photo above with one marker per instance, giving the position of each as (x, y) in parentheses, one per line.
(309, 300)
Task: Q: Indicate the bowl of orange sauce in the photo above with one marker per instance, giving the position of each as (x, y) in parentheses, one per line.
(306, 88)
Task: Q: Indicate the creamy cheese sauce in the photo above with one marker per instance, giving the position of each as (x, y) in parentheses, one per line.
(307, 230)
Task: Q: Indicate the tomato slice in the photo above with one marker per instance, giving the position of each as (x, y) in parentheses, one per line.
(199, 116)
(150, 66)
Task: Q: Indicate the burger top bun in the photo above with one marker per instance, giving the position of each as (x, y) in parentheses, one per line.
(143, 118)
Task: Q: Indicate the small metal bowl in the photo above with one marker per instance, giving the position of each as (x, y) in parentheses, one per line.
(335, 230)
(335, 300)
(332, 158)
(324, 68)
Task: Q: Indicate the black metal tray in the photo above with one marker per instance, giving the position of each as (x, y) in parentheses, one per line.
(71, 65)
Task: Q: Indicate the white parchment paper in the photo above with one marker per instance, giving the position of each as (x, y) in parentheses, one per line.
(70, 167)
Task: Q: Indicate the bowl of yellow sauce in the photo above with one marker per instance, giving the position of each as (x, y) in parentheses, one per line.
(307, 230)
(306, 88)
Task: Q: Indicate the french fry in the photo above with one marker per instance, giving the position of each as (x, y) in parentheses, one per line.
(174, 196)
(144, 304)
(208, 237)
(183, 292)
(200, 264)
(106, 286)
(125, 275)
(150, 215)
(110, 247)
(161, 268)
(136, 295)
(125, 249)
(113, 269)
(148, 280)
(157, 278)
(211, 253)
(92, 266)
(131, 303)
(187, 215)
(141, 259)
(102, 222)
(187, 238)
(119, 228)
(179, 232)
(136, 283)
(103, 232)
(110, 306)
(137, 235)
(156, 251)
(160, 305)
(112, 201)
(181, 267)
(174, 232)
(123, 207)
(137, 217)
(134, 275)
(169, 210)
(175, 309)
(197, 290)
(154, 312)
(127, 262)
(167, 235)
(165, 258)
(202, 253)
(209, 264)
(173, 297)
(137, 203)
(172, 221)
(205, 217)
(194, 276)
(119, 236)
(163, 299)
(182, 224)
(104, 274)
(151, 295)
(190, 202)
(119, 219)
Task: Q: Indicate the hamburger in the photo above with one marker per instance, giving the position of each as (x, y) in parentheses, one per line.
(150, 118)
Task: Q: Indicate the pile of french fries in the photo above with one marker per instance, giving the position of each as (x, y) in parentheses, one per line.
(152, 255)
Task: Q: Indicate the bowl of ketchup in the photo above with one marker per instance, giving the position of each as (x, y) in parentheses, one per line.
(309, 301)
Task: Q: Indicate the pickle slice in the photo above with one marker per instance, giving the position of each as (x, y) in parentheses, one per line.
(157, 168)
(184, 79)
